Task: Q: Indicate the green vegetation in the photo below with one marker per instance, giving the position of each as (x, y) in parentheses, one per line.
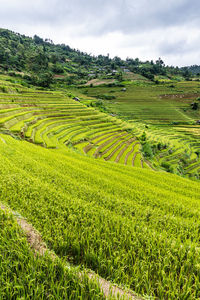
(167, 114)
(56, 120)
(41, 63)
(133, 226)
(24, 275)
(86, 158)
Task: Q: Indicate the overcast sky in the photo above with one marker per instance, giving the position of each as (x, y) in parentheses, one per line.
(146, 29)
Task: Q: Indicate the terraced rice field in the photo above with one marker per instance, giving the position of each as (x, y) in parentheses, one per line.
(135, 227)
(54, 120)
(23, 275)
(164, 113)
(152, 104)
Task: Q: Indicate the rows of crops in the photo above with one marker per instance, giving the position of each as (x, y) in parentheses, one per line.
(54, 120)
(164, 112)
(150, 103)
(24, 275)
(133, 226)
(182, 150)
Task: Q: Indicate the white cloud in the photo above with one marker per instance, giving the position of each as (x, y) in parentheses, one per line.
(135, 28)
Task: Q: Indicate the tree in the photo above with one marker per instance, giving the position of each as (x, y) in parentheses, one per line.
(37, 39)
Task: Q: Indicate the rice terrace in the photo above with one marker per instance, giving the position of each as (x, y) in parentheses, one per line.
(99, 176)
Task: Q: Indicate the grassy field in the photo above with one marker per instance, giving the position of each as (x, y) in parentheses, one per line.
(55, 120)
(24, 275)
(152, 103)
(163, 111)
(133, 226)
(113, 215)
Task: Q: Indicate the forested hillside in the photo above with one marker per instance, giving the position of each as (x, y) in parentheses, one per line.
(41, 61)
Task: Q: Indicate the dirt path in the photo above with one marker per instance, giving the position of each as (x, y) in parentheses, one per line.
(35, 241)
(97, 82)
(87, 148)
(142, 164)
(150, 165)
(116, 149)
(2, 140)
(105, 136)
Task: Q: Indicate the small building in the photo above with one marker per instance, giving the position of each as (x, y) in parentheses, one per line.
(76, 99)
(124, 69)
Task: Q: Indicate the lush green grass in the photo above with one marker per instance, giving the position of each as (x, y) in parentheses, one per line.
(163, 112)
(24, 275)
(54, 120)
(150, 103)
(134, 226)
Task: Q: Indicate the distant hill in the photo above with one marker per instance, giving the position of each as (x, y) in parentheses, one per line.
(195, 69)
(41, 61)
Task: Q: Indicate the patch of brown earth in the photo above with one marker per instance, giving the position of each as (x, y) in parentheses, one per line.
(97, 82)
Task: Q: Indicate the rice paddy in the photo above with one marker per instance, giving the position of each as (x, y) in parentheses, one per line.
(81, 178)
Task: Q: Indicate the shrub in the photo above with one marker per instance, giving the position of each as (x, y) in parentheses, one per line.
(167, 167)
(143, 137)
(106, 97)
(3, 89)
(147, 150)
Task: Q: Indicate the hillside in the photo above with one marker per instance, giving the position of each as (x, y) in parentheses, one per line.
(103, 168)
(40, 62)
(135, 227)
(162, 116)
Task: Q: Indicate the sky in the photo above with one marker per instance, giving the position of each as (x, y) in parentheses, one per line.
(147, 29)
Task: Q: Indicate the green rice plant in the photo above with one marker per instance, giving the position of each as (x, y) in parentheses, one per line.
(29, 276)
(133, 226)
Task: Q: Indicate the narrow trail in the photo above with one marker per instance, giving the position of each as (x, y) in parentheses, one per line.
(38, 246)
(142, 163)
(121, 153)
(87, 148)
(114, 151)
(2, 140)
(124, 149)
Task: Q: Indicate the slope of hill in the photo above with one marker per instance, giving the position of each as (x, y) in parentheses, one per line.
(56, 120)
(135, 227)
(162, 114)
(27, 276)
(116, 215)
(41, 62)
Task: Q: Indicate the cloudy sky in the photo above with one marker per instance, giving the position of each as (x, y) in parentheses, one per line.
(146, 29)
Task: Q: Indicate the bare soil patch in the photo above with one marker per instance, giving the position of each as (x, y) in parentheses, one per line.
(97, 82)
